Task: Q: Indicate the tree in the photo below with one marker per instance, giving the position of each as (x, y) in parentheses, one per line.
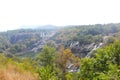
(47, 56)
(105, 65)
(64, 57)
(46, 74)
(46, 59)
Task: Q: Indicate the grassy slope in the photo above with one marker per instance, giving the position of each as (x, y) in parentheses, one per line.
(15, 69)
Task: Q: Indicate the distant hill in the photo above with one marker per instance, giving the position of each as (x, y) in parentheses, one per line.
(48, 27)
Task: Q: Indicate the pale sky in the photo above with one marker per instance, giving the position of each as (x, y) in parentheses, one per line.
(17, 13)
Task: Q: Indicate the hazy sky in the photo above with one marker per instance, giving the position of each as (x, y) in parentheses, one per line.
(17, 13)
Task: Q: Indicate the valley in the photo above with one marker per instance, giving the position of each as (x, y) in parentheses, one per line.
(82, 40)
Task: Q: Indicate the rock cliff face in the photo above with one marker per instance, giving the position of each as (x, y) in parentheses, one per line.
(85, 50)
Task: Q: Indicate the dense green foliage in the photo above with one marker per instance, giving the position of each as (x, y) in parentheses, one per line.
(47, 56)
(105, 65)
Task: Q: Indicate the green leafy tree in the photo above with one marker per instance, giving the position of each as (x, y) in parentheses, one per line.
(45, 73)
(105, 65)
(46, 59)
(47, 56)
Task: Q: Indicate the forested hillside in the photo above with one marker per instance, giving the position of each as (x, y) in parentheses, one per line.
(24, 41)
(80, 39)
(86, 52)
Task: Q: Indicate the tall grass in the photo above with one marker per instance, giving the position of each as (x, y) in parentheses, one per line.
(13, 70)
(13, 73)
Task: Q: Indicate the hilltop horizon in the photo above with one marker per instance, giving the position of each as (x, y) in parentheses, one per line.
(4, 29)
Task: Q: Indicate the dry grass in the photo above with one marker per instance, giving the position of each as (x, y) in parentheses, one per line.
(11, 72)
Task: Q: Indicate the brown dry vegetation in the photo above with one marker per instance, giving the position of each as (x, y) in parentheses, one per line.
(11, 72)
